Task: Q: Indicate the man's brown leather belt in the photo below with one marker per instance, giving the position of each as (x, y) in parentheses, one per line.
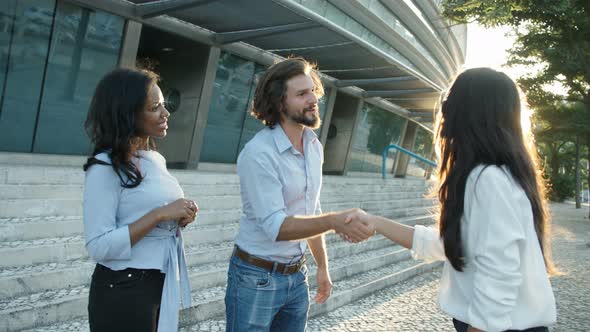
(269, 265)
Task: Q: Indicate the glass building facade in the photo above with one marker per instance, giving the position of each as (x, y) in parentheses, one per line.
(52, 55)
(376, 129)
(229, 123)
(422, 147)
(54, 52)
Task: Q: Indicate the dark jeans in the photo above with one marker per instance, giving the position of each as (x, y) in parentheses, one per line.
(126, 300)
(462, 327)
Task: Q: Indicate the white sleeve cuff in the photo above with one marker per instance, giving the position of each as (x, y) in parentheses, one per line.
(427, 244)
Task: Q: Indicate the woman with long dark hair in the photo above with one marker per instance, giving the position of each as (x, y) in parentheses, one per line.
(133, 209)
(493, 225)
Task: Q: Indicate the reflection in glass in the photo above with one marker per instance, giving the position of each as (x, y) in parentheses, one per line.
(25, 26)
(323, 106)
(229, 103)
(84, 47)
(251, 124)
(423, 148)
(376, 129)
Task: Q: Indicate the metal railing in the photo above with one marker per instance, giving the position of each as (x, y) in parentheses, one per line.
(408, 152)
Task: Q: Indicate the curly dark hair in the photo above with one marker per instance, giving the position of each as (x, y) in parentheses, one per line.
(272, 87)
(112, 122)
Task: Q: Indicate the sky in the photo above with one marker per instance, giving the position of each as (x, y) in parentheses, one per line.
(487, 48)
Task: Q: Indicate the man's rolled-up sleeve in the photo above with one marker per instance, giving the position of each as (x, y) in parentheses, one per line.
(261, 186)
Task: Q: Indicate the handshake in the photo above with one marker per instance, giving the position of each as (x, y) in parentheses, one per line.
(353, 225)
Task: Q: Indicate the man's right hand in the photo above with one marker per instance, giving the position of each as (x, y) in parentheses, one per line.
(353, 226)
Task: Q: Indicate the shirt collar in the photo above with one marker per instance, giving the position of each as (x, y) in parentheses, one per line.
(282, 141)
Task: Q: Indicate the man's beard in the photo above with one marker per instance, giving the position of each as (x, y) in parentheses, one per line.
(302, 118)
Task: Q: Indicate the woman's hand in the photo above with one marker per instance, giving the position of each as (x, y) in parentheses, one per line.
(185, 221)
(181, 210)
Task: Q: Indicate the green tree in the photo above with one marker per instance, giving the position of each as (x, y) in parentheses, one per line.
(559, 129)
(549, 33)
(553, 39)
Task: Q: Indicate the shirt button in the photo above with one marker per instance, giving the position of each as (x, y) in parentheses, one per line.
(111, 285)
(129, 275)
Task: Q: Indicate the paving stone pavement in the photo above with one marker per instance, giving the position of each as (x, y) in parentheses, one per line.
(571, 253)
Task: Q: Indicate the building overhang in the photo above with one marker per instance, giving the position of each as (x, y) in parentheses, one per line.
(285, 28)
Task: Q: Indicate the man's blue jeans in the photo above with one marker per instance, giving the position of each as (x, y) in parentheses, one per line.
(260, 300)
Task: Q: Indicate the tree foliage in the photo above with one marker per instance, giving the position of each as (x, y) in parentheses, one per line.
(552, 39)
(554, 35)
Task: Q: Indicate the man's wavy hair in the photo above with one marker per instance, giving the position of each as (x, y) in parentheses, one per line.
(271, 90)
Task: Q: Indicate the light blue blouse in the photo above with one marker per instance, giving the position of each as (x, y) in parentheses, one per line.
(109, 209)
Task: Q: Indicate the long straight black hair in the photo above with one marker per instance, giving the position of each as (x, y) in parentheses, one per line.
(479, 123)
(113, 121)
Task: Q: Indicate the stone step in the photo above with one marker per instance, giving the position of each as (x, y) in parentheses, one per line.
(199, 192)
(10, 208)
(38, 227)
(41, 207)
(32, 228)
(345, 292)
(23, 174)
(56, 305)
(342, 255)
(35, 207)
(63, 249)
(26, 228)
(382, 278)
(210, 303)
(19, 281)
(220, 251)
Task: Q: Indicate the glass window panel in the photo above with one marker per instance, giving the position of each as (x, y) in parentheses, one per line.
(323, 106)
(85, 46)
(229, 103)
(7, 18)
(376, 130)
(423, 148)
(251, 124)
(24, 41)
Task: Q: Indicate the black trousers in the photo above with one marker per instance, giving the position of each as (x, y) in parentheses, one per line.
(126, 300)
(462, 327)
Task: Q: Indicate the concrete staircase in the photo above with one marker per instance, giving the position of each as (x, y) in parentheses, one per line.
(45, 271)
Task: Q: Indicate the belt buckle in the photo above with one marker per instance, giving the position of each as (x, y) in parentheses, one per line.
(297, 266)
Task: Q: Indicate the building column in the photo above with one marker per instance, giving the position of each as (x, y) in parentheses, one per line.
(331, 99)
(196, 144)
(130, 44)
(344, 119)
(357, 117)
(402, 160)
